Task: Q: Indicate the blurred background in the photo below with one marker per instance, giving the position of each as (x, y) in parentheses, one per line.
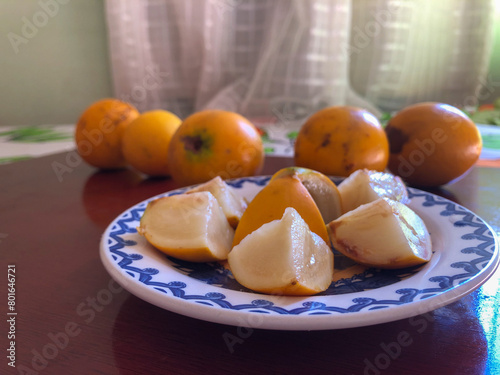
(280, 59)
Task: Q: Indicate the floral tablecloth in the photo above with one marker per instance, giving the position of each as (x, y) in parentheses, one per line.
(26, 142)
(20, 143)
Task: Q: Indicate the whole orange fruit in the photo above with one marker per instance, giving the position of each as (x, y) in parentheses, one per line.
(432, 143)
(146, 140)
(213, 143)
(98, 133)
(340, 140)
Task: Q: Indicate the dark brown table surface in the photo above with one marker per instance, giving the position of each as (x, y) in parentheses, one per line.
(53, 211)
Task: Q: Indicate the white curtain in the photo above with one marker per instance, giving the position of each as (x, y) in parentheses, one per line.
(285, 59)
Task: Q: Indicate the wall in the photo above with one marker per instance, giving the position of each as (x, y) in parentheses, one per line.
(491, 91)
(53, 60)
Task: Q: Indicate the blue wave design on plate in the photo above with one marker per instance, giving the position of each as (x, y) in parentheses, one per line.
(216, 274)
(370, 279)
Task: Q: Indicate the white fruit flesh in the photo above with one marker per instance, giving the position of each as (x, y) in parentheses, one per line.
(382, 233)
(387, 185)
(325, 195)
(231, 203)
(283, 256)
(364, 186)
(191, 227)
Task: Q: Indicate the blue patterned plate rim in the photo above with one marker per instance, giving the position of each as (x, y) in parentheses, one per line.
(466, 254)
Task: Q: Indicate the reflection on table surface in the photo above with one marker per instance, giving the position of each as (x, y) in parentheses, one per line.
(50, 229)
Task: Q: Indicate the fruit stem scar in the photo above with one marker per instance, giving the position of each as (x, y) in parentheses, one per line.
(197, 145)
(193, 143)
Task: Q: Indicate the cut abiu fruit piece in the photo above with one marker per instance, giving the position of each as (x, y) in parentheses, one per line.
(322, 190)
(190, 227)
(364, 186)
(271, 202)
(283, 257)
(231, 203)
(383, 234)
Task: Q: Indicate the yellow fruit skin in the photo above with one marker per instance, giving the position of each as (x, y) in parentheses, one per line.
(215, 143)
(432, 143)
(340, 140)
(270, 204)
(146, 140)
(99, 131)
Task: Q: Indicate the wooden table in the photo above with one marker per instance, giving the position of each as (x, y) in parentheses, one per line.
(73, 319)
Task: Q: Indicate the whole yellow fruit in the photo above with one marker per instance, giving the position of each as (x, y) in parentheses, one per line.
(214, 143)
(146, 141)
(99, 131)
(340, 140)
(432, 143)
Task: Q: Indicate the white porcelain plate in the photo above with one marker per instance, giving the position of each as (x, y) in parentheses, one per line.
(465, 255)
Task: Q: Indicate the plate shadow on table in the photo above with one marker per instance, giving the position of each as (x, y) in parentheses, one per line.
(175, 344)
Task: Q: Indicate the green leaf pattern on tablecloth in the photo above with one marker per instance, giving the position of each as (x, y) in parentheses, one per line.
(14, 158)
(491, 141)
(34, 134)
(21, 143)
